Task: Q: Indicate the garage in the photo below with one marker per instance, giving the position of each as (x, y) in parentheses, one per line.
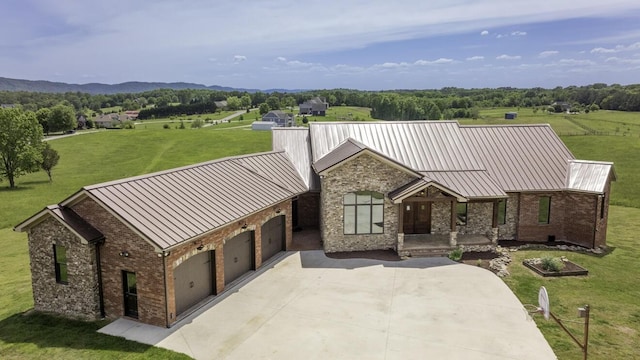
(193, 280)
(238, 256)
(273, 238)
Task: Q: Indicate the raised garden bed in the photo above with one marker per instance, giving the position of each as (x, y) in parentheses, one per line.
(569, 268)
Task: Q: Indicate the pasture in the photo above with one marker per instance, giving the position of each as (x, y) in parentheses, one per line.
(610, 288)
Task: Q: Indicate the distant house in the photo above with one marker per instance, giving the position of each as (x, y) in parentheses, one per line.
(111, 120)
(510, 115)
(7, 106)
(222, 105)
(132, 114)
(564, 106)
(316, 107)
(81, 122)
(279, 117)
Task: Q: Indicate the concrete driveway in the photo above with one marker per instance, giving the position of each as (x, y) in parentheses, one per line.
(307, 306)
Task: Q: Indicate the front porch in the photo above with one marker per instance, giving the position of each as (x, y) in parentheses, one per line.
(436, 245)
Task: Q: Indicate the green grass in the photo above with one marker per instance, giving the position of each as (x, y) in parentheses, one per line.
(340, 113)
(611, 290)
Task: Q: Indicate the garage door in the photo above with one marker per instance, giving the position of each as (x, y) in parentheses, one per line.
(272, 237)
(238, 256)
(193, 280)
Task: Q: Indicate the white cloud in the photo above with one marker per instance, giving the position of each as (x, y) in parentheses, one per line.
(519, 33)
(500, 36)
(474, 58)
(575, 62)
(600, 50)
(434, 62)
(508, 57)
(484, 32)
(281, 58)
(239, 58)
(623, 60)
(548, 53)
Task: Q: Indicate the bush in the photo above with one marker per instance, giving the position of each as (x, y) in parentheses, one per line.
(241, 117)
(128, 125)
(182, 124)
(552, 264)
(166, 126)
(456, 254)
(197, 123)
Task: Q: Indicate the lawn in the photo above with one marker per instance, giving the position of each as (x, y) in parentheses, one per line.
(340, 113)
(611, 287)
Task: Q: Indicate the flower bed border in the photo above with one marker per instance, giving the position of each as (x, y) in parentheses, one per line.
(544, 273)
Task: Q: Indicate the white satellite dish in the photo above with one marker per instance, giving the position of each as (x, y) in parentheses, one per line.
(543, 302)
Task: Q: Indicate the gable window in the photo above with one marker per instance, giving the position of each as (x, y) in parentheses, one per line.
(60, 256)
(502, 211)
(461, 214)
(363, 213)
(544, 209)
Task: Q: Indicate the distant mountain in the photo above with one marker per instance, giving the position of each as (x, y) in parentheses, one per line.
(7, 84)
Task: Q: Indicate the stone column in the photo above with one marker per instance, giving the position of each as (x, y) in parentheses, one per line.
(400, 245)
(494, 236)
(453, 239)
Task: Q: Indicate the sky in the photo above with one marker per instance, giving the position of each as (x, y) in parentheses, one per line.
(309, 44)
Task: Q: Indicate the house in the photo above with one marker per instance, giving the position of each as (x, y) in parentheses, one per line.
(113, 120)
(510, 115)
(222, 105)
(262, 125)
(155, 247)
(316, 107)
(562, 105)
(279, 117)
(132, 114)
(81, 122)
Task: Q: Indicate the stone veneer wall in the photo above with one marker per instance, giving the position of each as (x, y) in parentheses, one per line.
(479, 219)
(508, 231)
(78, 298)
(363, 173)
(441, 218)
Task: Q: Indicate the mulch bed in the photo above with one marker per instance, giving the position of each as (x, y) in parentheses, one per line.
(570, 269)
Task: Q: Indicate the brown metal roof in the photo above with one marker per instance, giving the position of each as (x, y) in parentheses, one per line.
(520, 157)
(176, 205)
(347, 149)
(418, 145)
(296, 143)
(473, 184)
(68, 218)
(416, 185)
(588, 176)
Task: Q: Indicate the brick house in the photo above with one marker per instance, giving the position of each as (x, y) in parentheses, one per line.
(157, 246)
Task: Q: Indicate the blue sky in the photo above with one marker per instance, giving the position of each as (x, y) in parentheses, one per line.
(358, 44)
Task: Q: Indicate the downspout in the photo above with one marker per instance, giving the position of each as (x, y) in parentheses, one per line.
(99, 270)
(595, 223)
(166, 298)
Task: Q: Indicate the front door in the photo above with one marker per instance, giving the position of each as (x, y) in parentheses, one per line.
(130, 290)
(417, 217)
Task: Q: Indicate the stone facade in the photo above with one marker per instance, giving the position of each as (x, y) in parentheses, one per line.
(508, 231)
(364, 173)
(440, 217)
(78, 298)
(479, 219)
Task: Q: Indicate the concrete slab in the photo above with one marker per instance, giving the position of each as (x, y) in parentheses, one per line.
(309, 306)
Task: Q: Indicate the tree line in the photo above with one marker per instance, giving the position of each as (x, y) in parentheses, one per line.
(445, 103)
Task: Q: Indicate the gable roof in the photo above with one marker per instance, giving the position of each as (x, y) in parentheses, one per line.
(520, 157)
(296, 143)
(173, 206)
(589, 176)
(418, 145)
(68, 218)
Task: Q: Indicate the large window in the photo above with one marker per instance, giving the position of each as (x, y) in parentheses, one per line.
(461, 214)
(502, 211)
(363, 213)
(544, 209)
(60, 256)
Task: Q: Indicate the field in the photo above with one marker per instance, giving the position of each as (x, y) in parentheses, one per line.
(340, 113)
(611, 287)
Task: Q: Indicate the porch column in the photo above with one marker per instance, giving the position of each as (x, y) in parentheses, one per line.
(494, 223)
(400, 244)
(453, 235)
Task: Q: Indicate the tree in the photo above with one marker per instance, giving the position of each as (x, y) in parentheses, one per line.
(264, 108)
(43, 117)
(246, 101)
(61, 118)
(234, 103)
(20, 143)
(273, 102)
(50, 159)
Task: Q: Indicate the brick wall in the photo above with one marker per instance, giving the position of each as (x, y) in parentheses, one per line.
(601, 222)
(79, 297)
(528, 227)
(363, 173)
(142, 260)
(309, 210)
(581, 215)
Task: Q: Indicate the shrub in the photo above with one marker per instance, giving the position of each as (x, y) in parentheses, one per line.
(456, 254)
(182, 124)
(552, 264)
(166, 126)
(196, 124)
(241, 117)
(128, 125)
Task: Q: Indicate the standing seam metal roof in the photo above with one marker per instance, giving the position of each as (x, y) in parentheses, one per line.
(176, 205)
(589, 176)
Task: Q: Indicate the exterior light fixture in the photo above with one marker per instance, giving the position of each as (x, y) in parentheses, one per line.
(278, 210)
(124, 253)
(244, 226)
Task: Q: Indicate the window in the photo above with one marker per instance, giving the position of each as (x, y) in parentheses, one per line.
(502, 211)
(60, 256)
(461, 214)
(363, 213)
(544, 209)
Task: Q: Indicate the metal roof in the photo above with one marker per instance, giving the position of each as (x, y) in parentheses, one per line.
(588, 176)
(418, 145)
(347, 149)
(520, 157)
(419, 184)
(296, 143)
(470, 184)
(67, 217)
(179, 204)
